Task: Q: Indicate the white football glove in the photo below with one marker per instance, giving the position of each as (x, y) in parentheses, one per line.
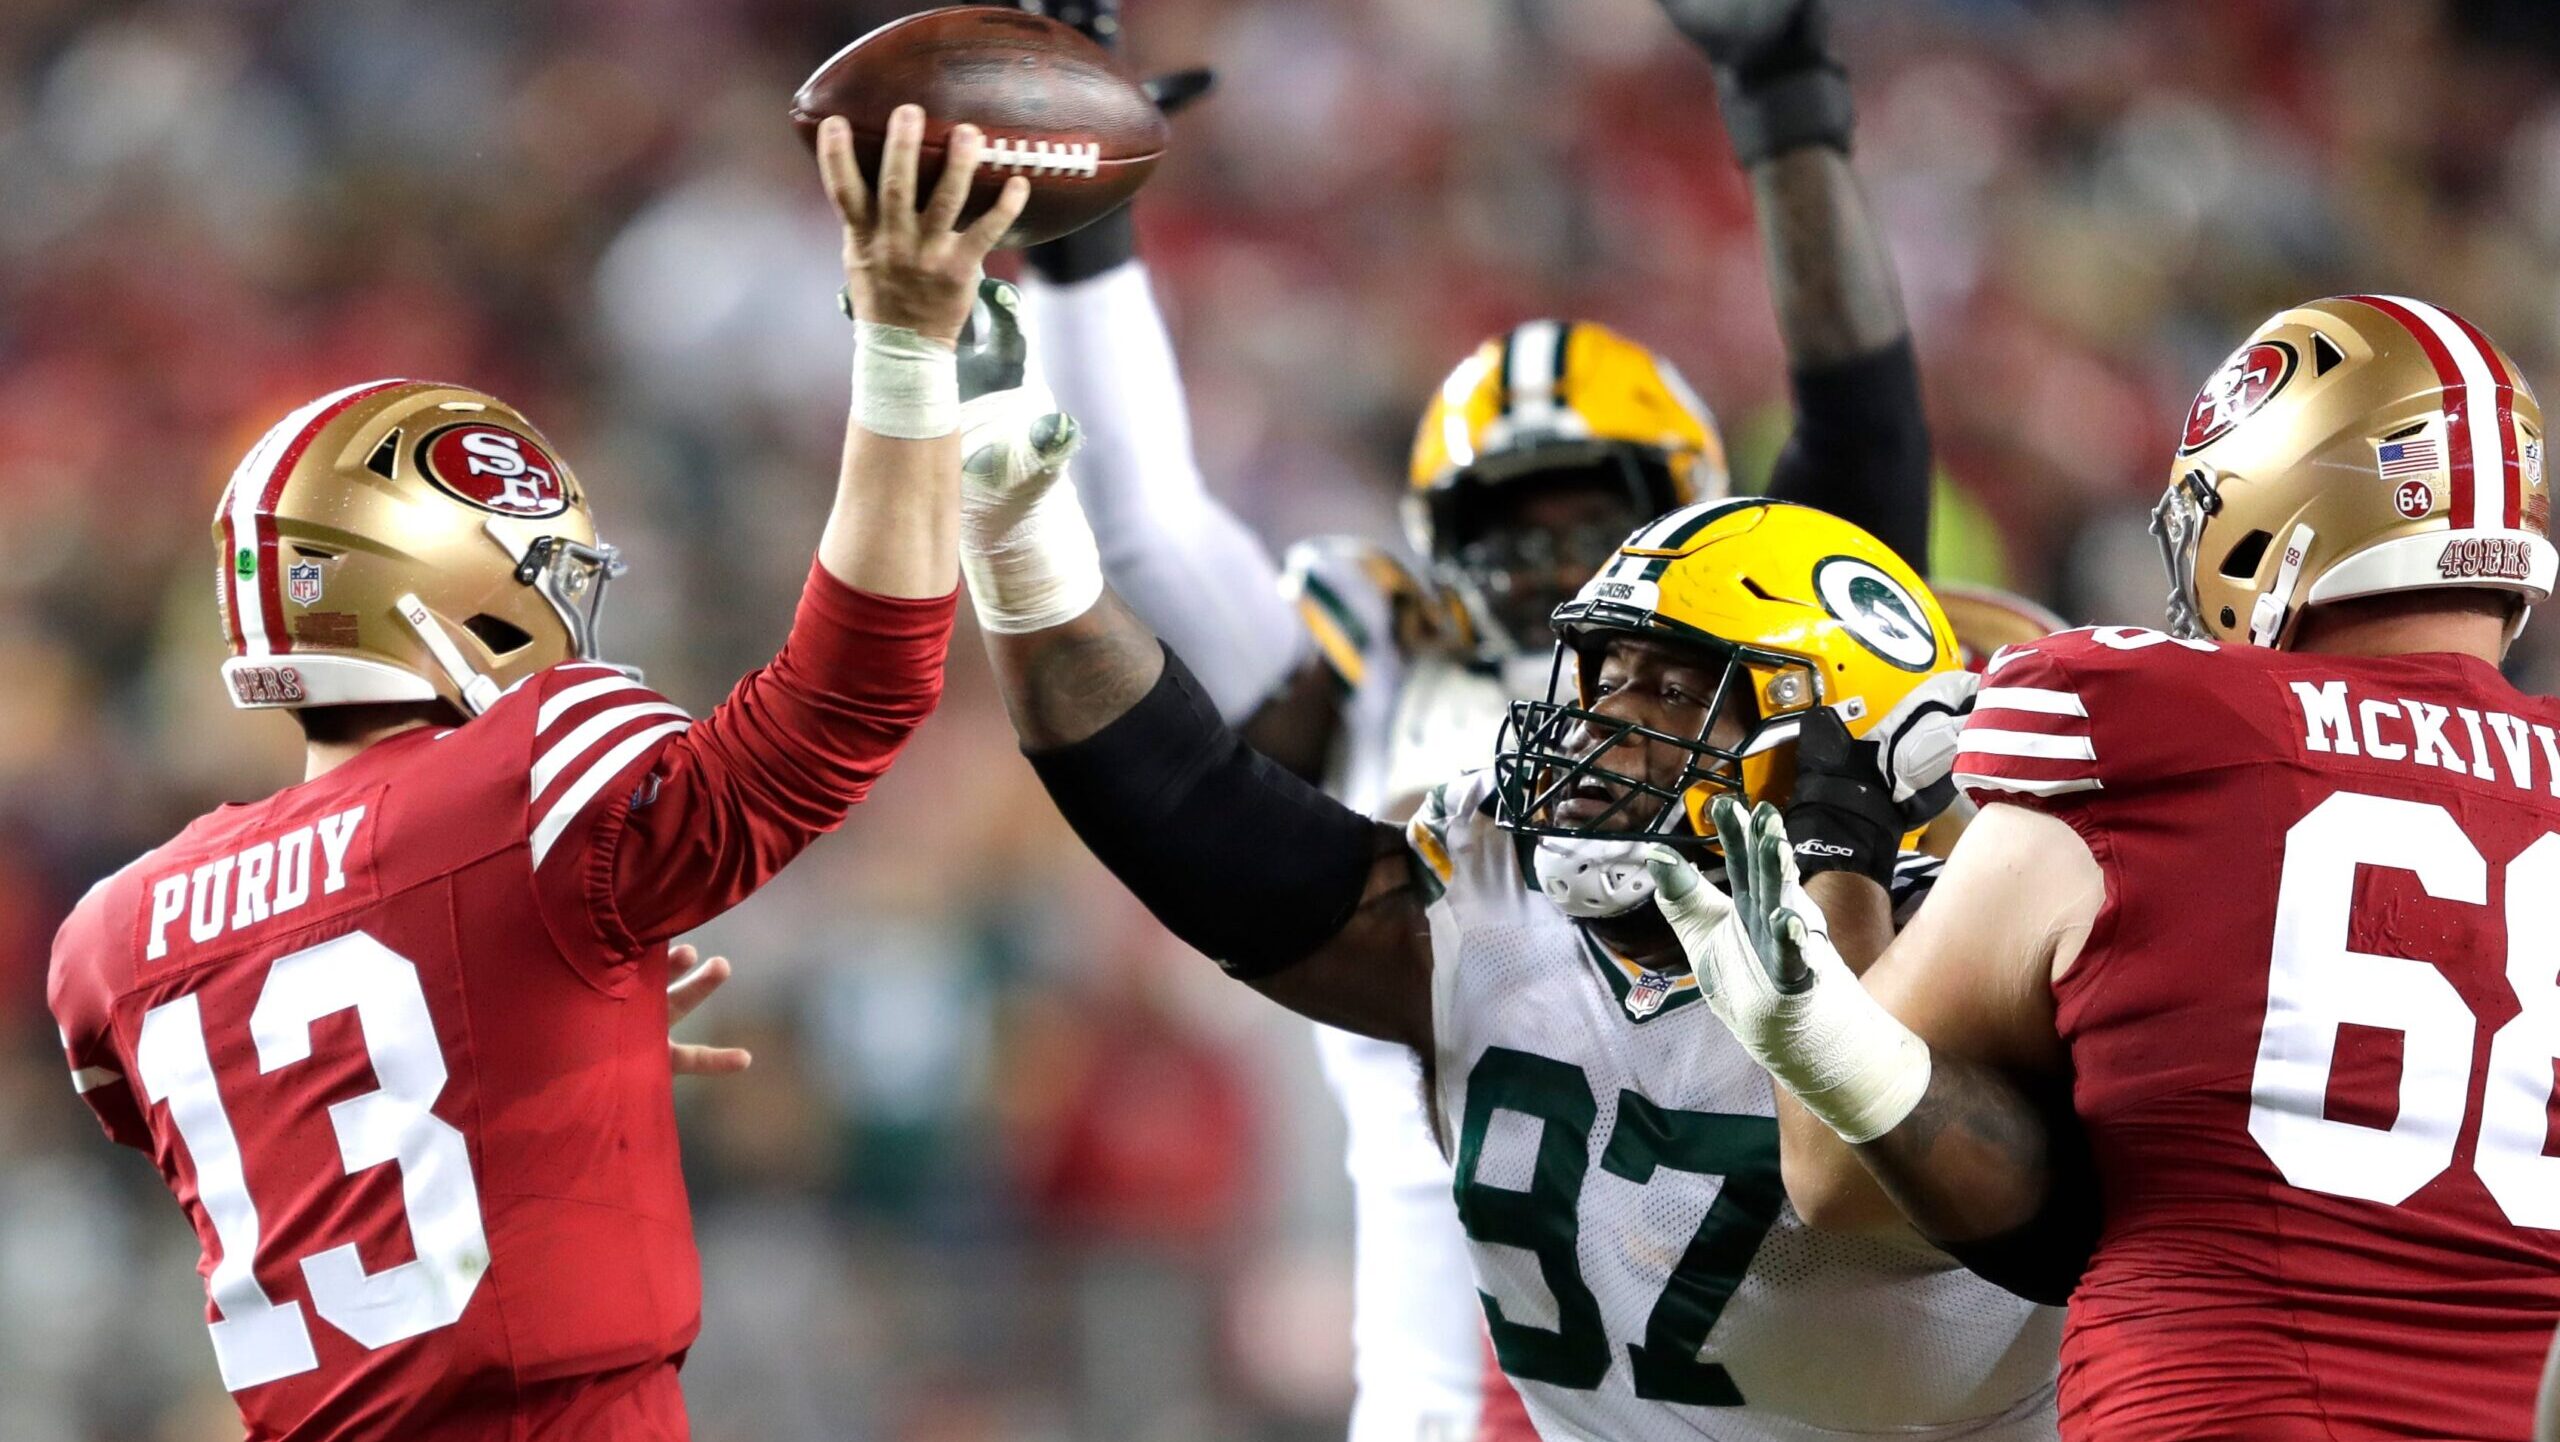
(1025, 546)
(1765, 961)
(1916, 744)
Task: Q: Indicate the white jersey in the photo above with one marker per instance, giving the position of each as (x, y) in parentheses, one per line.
(1617, 1173)
(1415, 712)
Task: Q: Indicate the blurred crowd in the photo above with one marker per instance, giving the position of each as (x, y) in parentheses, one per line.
(1009, 1165)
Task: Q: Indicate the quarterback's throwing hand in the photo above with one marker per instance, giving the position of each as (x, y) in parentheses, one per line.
(1765, 961)
(903, 265)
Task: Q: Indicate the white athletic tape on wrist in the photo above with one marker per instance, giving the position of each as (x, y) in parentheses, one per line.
(1025, 547)
(905, 386)
(1832, 1045)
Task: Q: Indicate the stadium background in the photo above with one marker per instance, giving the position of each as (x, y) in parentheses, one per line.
(1010, 1166)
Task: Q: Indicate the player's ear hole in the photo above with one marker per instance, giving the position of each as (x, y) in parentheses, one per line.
(2230, 618)
(2241, 561)
(500, 636)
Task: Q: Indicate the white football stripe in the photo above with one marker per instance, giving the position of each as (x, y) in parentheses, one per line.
(2480, 414)
(575, 799)
(585, 691)
(248, 486)
(1530, 373)
(89, 1078)
(2041, 699)
(1975, 781)
(1990, 741)
(548, 766)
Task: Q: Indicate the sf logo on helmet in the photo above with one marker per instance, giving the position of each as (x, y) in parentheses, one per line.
(2245, 382)
(494, 469)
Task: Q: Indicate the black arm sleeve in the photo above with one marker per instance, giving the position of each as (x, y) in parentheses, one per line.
(1861, 448)
(1242, 860)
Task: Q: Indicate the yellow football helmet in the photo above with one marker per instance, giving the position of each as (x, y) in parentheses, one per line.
(404, 541)
(2354, 446)
(1801, 607)
(1550, 403)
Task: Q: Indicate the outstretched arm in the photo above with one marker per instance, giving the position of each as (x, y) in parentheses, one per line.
(1194, 572)
(1940, 1083)
(1860, 448)
(1314, 905)
(645, 825)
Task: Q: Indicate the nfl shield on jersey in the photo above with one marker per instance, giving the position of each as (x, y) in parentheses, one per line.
(2312, 1030)
(1642, 1275)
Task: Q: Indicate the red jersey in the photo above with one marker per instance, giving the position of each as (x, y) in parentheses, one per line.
(396, 1037)
(2312, 1031)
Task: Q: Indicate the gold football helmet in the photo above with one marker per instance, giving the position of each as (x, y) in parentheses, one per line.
(1987, 619)
(404, 541)
(2354, 446)
(1549, 404)
(1802, 608)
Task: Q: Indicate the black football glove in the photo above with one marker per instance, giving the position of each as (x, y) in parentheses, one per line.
(1111, 241)
(1855, 797)
(1777, 81)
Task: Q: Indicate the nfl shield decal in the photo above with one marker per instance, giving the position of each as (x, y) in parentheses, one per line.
(302, 582)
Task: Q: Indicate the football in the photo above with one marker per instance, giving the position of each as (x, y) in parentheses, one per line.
(1053, 105)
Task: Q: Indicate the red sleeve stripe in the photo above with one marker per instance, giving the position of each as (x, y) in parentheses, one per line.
(2043, 700)
(594, 779)
(583, 737)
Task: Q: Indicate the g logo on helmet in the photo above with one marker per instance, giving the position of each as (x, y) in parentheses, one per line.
(495, 469)
(1886, 618)
(2245, 382)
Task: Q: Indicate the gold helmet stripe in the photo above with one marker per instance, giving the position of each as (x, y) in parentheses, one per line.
(2482, 439)
(254, 579)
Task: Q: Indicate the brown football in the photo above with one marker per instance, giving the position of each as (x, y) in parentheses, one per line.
(1053, 105)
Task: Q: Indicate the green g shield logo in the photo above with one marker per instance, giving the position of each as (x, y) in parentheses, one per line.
(1885, 617)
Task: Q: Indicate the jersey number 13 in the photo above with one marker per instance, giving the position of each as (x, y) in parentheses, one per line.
(257, 1340)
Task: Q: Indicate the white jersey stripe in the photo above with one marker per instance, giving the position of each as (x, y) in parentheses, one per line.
(1991, 741)
(89, 1078)
(565, 753)
(575, 799)
(1976, 781)
(578, 695)
(2488, 488)
(2040, 699)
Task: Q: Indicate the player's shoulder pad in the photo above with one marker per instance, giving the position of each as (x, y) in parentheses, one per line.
(1365, 604)
(2081, 710)
(1449, 829)
(585, 725)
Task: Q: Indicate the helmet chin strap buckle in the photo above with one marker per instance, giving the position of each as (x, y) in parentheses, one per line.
(479, 693)
(2275, 605)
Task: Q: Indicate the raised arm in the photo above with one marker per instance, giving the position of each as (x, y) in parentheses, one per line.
(1315, 906)
(647, 825)
(1195, 573)
(1941, 1085)
(1860, 448)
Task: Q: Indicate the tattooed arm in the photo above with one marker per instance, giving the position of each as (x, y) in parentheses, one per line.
(1220, 838)
(1989, 1164)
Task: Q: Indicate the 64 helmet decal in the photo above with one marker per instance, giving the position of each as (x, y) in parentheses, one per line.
(2355, 446)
